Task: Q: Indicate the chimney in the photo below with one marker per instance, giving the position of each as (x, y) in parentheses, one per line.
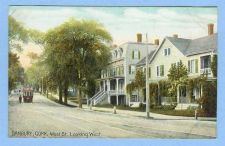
(139, 37)
(210, 29)
(114, 45)
(175, 35)
(156, 41)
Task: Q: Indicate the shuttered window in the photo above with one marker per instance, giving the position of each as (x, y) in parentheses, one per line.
(193, 66)
(139, 55)
(196, 65)
(189, 66)
(161, 70)
(149, 72)
(129, 69)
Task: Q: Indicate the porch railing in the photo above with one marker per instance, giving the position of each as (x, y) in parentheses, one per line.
(115, 92)
(205, 71)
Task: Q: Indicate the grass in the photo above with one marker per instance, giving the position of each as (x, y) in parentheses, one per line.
(57, 101)
(164, 110)
(122, 107)
(186, 113)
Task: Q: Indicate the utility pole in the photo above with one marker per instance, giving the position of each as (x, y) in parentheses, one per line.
(147, 81)
(42, 85)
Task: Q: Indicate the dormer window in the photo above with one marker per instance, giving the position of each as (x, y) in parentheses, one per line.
(121, 52)
(167, 52)
(136, 54)
(116, 54)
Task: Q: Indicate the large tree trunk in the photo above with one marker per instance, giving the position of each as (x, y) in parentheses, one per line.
(80, 98)
(60, 94)
(47, 92)
(65, 94)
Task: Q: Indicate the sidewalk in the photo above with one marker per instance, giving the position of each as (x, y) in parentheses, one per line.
(136, 113)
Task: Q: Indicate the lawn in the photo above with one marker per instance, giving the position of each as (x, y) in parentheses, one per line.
(165, 110)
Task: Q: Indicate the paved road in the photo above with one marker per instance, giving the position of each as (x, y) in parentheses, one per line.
(44, 118)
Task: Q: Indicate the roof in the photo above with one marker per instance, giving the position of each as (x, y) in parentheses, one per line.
(196, 46)
(143, 61)
(187, 46)
(202, 45)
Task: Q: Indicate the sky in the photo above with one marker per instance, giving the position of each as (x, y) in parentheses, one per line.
(123, 23)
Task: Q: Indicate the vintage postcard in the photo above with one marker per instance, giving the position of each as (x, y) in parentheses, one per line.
(112, 72)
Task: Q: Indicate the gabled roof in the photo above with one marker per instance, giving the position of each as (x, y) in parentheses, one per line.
(190, 47)
(196, 46)
(202, 45)
(143, 61)
(187, 47)
(180, 43)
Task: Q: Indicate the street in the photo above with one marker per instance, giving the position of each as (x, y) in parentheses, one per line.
(45, 118)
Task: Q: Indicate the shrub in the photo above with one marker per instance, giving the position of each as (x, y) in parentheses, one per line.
(165, 107)
(209, 98)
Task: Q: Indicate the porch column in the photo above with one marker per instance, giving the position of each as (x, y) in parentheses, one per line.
(117, 85)
(103, 85)
(108, 89)
(178, 94)
(108, 85)
(117, 90)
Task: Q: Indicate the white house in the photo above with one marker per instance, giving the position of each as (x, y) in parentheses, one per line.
(196, 55)
(120, 72)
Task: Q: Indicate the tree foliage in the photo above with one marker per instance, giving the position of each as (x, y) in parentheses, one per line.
(137, 84)
(15, 71)
(214, 65)
(75, 52)
(177, 76)
(17, 34)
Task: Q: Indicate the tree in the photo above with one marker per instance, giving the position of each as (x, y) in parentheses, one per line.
(137, 84)
(177, 76)
(214, 65)
(17, 34)
(16, 72)
(75, 52)
(139, 81)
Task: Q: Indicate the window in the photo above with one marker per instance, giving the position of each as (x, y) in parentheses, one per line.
(193, 66)
(136, 54)
(160, 71)
(167, 52)
(205, 62)
(117, 71)
(149, 72)
(114, 71)
(115, 54)
(121, 52)
(134, 98)
(121, 70)
(131, 69)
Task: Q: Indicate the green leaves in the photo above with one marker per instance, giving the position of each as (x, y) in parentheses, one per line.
(138, 83)
(214, 65)
(178, 74)
(75, 52)
(17, 34)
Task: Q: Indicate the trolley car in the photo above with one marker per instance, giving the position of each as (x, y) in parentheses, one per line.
(27, 95)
